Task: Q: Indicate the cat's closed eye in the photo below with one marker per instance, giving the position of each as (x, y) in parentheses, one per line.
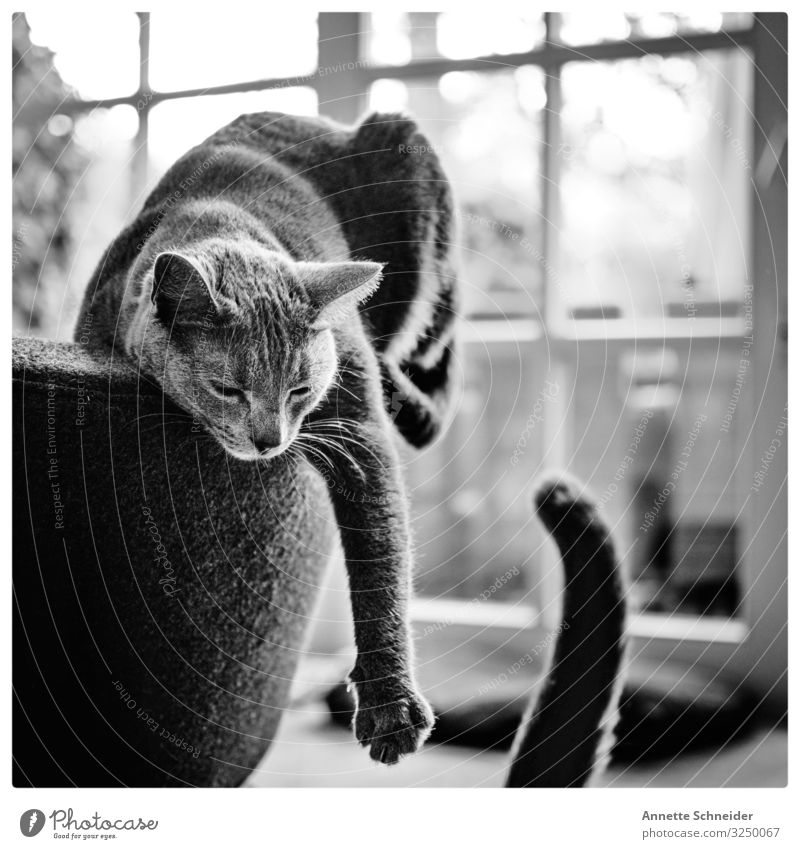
(227, 391)
(300, 391)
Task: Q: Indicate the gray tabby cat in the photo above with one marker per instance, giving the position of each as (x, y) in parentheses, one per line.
(237, 291)
(234, 291)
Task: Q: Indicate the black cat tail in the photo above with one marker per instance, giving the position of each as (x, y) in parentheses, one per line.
(567, 727)
(417, 399)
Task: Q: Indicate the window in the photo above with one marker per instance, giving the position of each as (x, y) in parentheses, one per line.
(616, 345)
(633, 319)
(671, 179)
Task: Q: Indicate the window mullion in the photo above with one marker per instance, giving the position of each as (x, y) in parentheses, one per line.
(550, 175)
(143, 103)
(338, 83)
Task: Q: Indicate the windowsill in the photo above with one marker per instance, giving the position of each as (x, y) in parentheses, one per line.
(649, 329)
(485, 330)
(676, 626)
(626, 331)
(518, 617)
(485, 614)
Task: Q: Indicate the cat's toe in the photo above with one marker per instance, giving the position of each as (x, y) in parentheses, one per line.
(364, 725)
(395, 728)
(386, 753)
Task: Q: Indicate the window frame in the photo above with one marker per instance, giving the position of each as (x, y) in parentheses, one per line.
(717, 645)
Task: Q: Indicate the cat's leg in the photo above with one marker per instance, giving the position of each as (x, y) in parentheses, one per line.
(369, 500)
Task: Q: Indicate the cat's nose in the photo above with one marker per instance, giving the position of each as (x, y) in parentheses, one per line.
(264, 444)
(269, 434)
(269, 430)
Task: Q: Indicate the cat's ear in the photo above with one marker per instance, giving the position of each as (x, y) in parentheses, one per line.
(333, 287)
(182, 290)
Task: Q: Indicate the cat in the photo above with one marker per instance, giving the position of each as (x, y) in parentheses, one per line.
(280, 292)
(236, 290)
(566, 733)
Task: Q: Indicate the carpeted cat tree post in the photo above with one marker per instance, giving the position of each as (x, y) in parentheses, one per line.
(161, 589)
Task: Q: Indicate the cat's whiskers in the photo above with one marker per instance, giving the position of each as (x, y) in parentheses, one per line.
(337, 385)
(338, 422)
(296, 456)
(324, 443)
(347, 370)
(327, 444)
(315, 452)
(323, 425)
(334, 438)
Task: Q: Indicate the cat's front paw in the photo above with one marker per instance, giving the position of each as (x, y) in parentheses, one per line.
(391, 725)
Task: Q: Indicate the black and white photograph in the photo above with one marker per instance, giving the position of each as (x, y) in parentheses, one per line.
(400, 401)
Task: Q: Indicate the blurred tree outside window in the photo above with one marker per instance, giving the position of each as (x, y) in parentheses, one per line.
(46, 169)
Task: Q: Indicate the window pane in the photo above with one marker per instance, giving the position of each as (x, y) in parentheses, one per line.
(655, 179)
(594, 27)
(98, 55)
(178, 125)
(486, 129)
(474, 531)
(463, 34)
(397, 38)
(658, 436)
(89, 215)
(394, 38)
(205, 49)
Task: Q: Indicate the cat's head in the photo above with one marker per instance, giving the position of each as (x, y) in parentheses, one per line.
(247, 336)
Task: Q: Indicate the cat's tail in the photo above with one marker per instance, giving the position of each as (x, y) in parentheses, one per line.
(566, 731)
